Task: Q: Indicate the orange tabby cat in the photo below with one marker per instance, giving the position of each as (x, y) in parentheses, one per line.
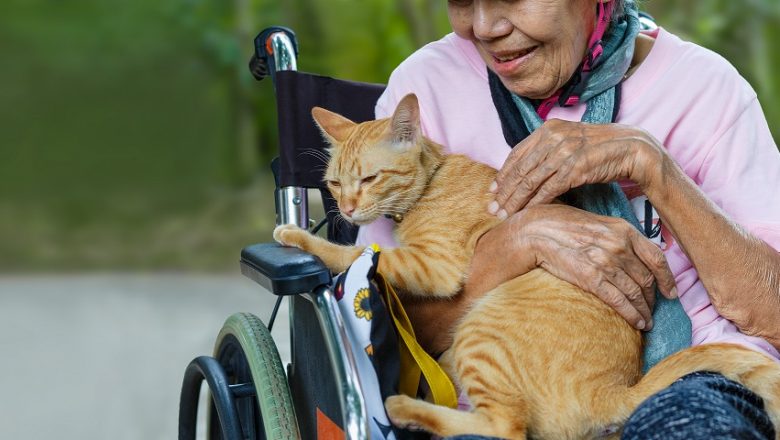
(537, 356)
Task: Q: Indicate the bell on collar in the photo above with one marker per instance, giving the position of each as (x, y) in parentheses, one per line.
(398, 218)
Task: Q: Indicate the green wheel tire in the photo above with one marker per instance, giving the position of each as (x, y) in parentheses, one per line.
(273, 392)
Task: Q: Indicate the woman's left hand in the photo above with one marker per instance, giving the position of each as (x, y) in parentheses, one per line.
(561, 155)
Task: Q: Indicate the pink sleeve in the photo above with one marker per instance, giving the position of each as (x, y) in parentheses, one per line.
(402, 83)
(387, 102)
(741, 173)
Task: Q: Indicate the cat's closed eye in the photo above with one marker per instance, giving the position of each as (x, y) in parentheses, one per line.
(334, 183)
(368, 179)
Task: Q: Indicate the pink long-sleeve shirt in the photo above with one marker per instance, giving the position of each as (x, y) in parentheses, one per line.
(689, 98)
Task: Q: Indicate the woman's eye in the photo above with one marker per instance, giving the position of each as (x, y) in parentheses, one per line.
(368, 179)
(335, 183)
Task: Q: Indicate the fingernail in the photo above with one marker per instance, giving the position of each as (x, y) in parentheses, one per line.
(649, 325)
(640, 325)
(493, 187)
(501, 214)
(673, 292)
(493, 207)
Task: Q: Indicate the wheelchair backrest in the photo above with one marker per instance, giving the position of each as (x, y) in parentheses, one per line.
(300, 139)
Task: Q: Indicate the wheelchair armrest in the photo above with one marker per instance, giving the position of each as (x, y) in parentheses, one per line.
(283, 270)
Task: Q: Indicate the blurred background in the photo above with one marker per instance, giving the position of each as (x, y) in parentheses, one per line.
(133, 167)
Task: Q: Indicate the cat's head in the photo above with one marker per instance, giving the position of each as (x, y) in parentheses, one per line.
(377, 167)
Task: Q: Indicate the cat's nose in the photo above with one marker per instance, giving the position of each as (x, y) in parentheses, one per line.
(349, 210)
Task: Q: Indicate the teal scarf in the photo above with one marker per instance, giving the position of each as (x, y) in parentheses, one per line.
(599, 90)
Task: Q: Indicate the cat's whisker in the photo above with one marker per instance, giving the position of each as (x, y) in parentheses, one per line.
(399, 200)
(392, 209)
(375, 210)
(343, 220)
(405, 191)
(317, 154)
(338, 217)
(402, 197)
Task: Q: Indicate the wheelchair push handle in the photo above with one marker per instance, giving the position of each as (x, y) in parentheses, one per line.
(276, 48)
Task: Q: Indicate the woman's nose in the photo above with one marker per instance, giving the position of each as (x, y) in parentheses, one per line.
(489, 20)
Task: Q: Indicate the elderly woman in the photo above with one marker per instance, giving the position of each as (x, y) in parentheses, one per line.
(689, 145)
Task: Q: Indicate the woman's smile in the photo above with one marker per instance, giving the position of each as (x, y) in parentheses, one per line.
(510, 63)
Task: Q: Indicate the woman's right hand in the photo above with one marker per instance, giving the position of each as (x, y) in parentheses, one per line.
(602, 255)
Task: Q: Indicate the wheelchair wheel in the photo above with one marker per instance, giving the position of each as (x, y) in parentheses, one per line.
(249, 356)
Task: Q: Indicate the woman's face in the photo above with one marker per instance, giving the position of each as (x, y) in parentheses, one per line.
(534, 46)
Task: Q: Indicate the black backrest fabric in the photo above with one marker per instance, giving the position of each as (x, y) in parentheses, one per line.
(301, 144)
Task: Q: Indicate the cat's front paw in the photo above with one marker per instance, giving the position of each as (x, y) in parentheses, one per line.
(290, 235)
(401, 411)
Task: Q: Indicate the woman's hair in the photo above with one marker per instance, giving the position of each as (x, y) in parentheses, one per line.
(619, 9)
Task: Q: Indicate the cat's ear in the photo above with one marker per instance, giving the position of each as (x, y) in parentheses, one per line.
(405, 124)
(334, 126)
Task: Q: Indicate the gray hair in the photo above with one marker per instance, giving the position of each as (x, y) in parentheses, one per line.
(619, 9)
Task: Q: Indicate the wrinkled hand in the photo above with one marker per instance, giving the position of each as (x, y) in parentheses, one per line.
(561, 155)
(603, 255)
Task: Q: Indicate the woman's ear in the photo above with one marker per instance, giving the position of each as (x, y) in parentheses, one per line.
(405, 124)
(334, 127)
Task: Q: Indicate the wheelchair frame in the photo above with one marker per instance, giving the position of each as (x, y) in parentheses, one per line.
(246, 363)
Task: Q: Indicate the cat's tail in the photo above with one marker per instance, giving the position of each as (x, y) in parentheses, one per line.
(752, 369)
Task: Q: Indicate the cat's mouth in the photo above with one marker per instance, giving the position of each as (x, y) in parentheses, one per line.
(362, 215)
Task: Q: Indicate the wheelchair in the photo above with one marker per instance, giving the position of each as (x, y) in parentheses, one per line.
(320, 395)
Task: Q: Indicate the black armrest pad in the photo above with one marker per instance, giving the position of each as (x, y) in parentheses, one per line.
(283, 270)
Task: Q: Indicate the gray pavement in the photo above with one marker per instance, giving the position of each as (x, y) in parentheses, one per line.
(102, 356)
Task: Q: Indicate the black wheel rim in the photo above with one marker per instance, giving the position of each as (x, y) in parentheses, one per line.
(232, 358)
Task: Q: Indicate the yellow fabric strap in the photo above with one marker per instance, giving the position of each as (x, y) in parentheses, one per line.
(414, 360)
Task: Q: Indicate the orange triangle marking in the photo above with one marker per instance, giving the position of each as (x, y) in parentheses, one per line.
(327, 429)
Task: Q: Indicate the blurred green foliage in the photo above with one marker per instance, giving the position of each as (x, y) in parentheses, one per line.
(746, 32)
(133, 137)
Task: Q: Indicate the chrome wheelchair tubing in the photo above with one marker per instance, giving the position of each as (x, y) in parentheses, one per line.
(283, 51)
(344, 364)
(293, 205)
(292, 201)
